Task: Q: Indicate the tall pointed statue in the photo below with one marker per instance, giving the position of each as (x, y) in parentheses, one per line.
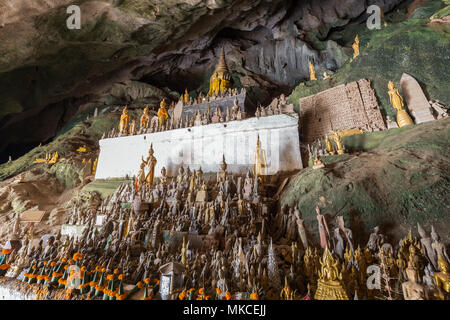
(124, 120)
(355, 47)
(186, 97)
(260, 164)
(162, 113)
(403, 118)
(312, 72)
(151, 163)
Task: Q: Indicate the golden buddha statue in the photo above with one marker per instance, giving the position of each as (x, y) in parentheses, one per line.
(403, 118)
(54, 158)
(151, 163)
(140, 179)
(162, 113)
(442, 279)
(260, 164)
(329, 145)
(312, 72)
(84, 148)
(355, 47)
(220, 80)
(124, 120)
(338, 140)
(94, 166)
(145, 118)
(330, 285)
(186, 97)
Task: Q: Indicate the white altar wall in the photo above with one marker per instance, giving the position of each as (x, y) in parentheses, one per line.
(203, 146)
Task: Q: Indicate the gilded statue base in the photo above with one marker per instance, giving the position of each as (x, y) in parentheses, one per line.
(330, 290)
(403, 118)
(340, 152)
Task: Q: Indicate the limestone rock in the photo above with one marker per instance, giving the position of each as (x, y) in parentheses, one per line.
(416, 100)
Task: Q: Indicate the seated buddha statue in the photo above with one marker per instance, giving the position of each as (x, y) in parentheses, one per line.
(145, 118)
(442, 279)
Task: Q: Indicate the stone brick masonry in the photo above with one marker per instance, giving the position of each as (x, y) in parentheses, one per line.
(348, 106)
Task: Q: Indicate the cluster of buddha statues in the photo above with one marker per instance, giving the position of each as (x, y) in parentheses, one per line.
(163, 121)
(187, 100)
(331, 145)
(50, 158)
(224, 234)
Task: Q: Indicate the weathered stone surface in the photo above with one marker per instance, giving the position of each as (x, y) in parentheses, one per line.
(353, 105)
(416, 100)
(203, 146)
(171, 44)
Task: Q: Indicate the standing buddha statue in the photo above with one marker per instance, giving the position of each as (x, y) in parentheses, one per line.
(151, 163)
(355, 47)
(220, 80)
(186, 97)
(260, 165)
(162, 113)
(329, 145)
(145, 118)
(124, 120)
(312, 72)
(403, 118)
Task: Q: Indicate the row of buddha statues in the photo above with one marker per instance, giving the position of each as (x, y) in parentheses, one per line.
(163, 121)
(187, 100)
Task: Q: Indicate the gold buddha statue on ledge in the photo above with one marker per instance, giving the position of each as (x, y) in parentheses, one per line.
(403, 118)
(220, 80)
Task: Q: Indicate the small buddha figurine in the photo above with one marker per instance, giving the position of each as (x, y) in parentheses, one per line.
(312, 72)
(355, 47)
(186, 97)
(329, 145)
(140, 179)
(442, 279)
(183, 252)
(151, 163)
(124, 120)
(318, 163)
(145, 118)
(338, 140)
(162, 113)
(403, 118)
